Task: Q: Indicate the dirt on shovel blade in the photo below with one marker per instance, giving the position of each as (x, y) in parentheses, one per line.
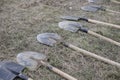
(70, 26)
(91, 8)
(48, 38)
(25, 59)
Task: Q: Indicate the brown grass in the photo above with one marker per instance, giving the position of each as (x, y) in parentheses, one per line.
(22, 20)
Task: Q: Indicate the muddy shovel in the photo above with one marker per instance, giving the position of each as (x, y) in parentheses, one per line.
(32, 59)
(72, 18)
(94, 8)
(51, 38)
(11, 71)
(75, 27)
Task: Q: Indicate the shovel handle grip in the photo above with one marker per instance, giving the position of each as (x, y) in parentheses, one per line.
(87, 53)
(104, 38)
(104, 23)
(61, 73)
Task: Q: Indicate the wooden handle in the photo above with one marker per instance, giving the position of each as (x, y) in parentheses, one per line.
(30, 79)
(103, 23)
(112, 11)
(104, 38)
(115, 1)
(61, 73)
(87, 53)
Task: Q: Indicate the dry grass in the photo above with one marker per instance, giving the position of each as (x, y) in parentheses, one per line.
(22, 20)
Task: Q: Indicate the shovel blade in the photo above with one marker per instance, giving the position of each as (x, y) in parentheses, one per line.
(95, 1)
(13, 67)
(70, 26)
(6, 74)
(25, 59)
(48, 38)
(71, 18)
(91, 8)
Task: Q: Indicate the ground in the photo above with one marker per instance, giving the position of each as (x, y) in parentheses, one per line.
(22, 20)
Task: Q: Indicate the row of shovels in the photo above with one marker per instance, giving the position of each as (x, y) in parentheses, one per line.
(76, 26)
(31, 59)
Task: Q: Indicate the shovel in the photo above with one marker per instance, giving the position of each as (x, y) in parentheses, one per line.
(31, 60)
(52, 38)
(95, 1)
(72, 18)
(75, 27)
(101, 1)
(11, 70)
(94, 8)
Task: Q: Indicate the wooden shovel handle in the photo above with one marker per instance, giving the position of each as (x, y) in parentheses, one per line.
(87, 53)
(108, 10)
(104, 23)
(30, 79)
(115, 1)
(61, 73)
(104, 38)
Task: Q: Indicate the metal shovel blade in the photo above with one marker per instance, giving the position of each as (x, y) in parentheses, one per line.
(13, 67)
(92, 1)
(70, 26)
(6, 74)
(91, 8)
(72, 18)
(24, 58)
(95, 1)
(48, 38)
